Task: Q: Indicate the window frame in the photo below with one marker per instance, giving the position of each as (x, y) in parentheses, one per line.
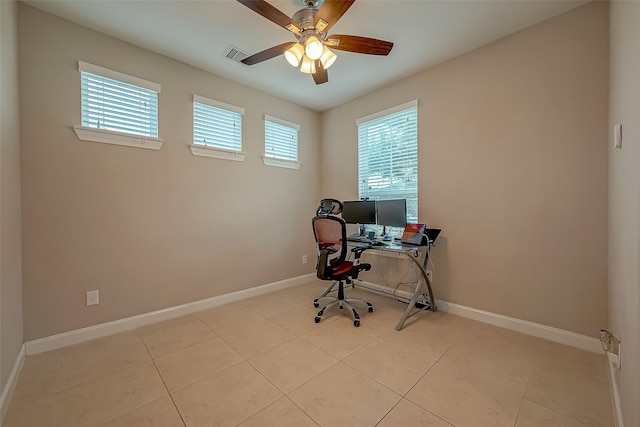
(276, 161)
(95, 134)
(394, 194)
(204, 150)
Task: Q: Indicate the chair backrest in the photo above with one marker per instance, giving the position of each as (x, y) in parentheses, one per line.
(330, 233)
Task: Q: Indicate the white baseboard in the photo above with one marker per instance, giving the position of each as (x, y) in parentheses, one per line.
(98, 331)
(92, 332)
(530, 328)
(615, 395)
(12, 381)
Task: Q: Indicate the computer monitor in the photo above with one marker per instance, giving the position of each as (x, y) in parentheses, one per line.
(392, 213)
(359, 212)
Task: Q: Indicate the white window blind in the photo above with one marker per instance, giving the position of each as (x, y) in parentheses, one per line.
(280, 139)
(117, 105)
(388, 156)
(216, 124)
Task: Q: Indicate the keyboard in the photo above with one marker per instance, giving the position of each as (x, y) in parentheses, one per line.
(360, 239)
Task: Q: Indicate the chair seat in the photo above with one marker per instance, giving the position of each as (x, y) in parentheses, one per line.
(342, 269)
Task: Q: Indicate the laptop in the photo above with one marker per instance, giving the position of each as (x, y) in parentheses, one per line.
(419, 234)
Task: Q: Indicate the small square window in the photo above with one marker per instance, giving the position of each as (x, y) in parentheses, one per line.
(118, 108)
(217, 129)
(281, 142)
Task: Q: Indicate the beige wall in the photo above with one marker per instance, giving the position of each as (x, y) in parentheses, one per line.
(513, 168)
(624, 202)
(10, 222)
(149, 229)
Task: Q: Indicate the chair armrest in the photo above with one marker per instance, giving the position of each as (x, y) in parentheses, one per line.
(324, 269)
(357, 251)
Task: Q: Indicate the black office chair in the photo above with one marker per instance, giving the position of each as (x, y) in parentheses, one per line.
(330, 232)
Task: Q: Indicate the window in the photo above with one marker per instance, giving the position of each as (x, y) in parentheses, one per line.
(388, 156)
(217, 129)
(118, 108)
(280, 143)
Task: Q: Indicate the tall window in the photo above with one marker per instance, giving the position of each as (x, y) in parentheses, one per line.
(117, 102)
(388, 156)
(216, 124)
(281, 143)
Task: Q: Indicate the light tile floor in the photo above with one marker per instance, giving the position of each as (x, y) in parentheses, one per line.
(264, 362)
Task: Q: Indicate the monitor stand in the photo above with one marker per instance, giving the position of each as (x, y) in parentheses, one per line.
(385, 236)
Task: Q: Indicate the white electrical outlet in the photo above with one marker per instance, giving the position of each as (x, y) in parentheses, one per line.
(304, 259)
(93, 297)
(430, 275)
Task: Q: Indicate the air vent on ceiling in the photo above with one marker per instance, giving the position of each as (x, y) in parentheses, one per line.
(234, 54)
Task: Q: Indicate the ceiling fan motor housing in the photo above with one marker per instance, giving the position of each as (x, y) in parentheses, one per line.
(305, 18)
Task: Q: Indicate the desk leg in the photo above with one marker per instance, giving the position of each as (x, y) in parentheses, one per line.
(416, 292)
(426, 280)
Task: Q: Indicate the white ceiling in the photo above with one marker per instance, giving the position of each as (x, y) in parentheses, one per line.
(425, 32)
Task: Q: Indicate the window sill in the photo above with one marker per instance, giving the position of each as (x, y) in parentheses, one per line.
(280, 163)
(216, 153)
(117, 138)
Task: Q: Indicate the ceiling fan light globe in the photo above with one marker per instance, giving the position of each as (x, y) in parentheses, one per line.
(328, 58)
(313, 48)
(294, 54)
(308, 65)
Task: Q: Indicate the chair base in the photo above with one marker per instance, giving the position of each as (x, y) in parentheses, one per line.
(343, 304)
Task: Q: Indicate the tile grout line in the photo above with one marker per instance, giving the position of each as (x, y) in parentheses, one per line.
(163, 383)
(54, 397)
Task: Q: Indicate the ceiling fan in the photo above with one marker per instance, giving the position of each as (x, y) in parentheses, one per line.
(312, 52)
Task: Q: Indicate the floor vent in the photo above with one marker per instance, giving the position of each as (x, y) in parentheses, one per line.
(234, 54)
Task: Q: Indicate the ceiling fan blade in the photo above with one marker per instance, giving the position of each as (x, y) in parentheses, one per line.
(320, 76)
(359, 44)
(272, 52)
(331, 11)
(272, 13)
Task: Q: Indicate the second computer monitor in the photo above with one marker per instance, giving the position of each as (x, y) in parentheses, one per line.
(359, 212)
(392, 213)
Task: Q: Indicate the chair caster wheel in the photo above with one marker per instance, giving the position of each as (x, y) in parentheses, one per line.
(356, 323)
(316, 305)
(317, 319)
(370, 310)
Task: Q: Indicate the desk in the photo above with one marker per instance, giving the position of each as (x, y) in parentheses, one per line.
(415, 254)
